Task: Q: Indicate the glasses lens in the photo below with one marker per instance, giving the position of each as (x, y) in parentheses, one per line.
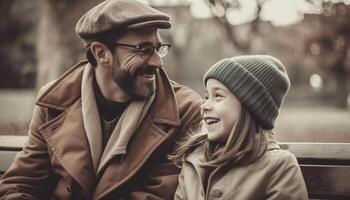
(163, 50)
(146, 51)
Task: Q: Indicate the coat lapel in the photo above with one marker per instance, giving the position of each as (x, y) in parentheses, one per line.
(65, 134)
(140, 148)
(66, 137)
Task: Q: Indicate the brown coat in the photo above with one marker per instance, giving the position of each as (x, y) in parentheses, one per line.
(56, 161)
(275, 176)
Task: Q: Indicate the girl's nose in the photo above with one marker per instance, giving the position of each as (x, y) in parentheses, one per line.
(206, 106)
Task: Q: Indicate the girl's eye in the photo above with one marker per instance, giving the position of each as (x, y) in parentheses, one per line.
(218, 96)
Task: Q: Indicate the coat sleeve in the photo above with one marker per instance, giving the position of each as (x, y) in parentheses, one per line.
(287, 181)
(163, 179)
(28, 176)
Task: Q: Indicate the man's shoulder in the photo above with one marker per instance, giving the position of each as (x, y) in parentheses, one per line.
(184, 91)
(63, 88)
(188, 103)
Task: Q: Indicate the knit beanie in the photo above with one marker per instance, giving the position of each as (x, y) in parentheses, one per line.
(260, 82)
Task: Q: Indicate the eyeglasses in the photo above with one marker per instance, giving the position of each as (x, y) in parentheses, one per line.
(146, 50)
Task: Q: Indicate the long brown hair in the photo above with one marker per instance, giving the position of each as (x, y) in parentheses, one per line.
(246, 143)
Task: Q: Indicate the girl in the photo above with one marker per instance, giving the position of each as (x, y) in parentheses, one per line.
(236, 156)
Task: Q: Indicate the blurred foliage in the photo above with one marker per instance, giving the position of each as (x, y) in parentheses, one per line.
(220, 10)
(58, 47)
(17, 50)
(39, 42)
(329, 44)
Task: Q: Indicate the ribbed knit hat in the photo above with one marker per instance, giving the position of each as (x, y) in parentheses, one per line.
(260, 82)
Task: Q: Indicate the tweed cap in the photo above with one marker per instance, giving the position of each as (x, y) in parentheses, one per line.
(260, 82)
(115, 15)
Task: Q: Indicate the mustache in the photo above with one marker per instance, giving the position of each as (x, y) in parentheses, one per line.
(146, 70)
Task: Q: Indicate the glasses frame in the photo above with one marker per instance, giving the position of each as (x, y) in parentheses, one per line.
(140, 46)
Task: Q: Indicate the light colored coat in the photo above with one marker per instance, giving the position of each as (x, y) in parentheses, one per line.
(275, 176)
(56, 162)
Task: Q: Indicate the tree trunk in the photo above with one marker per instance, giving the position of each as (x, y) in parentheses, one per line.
(58, 46)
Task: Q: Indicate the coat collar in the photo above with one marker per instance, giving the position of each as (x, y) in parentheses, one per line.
(164, 102)
(197, 156)
(272, 145)
(64, 91)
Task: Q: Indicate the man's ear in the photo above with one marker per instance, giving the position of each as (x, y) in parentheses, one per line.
(101, 53)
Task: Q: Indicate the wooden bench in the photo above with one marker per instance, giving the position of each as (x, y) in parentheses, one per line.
(325, 166)
(9, 147)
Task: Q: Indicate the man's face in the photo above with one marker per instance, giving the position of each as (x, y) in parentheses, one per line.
(134, 74)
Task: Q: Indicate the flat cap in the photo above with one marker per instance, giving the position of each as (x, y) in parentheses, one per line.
(114, 15)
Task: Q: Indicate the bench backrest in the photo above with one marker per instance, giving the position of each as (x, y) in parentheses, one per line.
(9, 147)
(325, 166)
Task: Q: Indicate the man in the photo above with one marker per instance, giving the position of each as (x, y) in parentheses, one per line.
(103, 129)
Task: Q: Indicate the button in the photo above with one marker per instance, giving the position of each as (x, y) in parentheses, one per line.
(216, 193)
(69, 189)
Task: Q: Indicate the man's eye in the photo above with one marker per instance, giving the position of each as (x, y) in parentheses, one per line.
(146, 49)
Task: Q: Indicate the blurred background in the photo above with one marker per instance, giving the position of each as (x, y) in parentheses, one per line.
(311, 38)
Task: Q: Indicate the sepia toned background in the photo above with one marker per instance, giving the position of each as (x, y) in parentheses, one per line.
(311, 37)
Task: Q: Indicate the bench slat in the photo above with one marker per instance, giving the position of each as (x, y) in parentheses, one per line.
(330, 181)
(12, 142)
(318, 153)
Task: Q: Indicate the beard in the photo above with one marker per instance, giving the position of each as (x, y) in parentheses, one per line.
(133, 85)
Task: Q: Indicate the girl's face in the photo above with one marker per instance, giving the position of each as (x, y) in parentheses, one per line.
(220, 111)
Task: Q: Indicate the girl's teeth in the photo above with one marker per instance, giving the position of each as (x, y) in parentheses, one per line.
(211, 121)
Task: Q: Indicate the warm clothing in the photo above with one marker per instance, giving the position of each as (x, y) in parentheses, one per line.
(276, 175)
(59, 160)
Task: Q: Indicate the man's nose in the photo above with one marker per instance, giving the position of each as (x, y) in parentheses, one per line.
(155, 60)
